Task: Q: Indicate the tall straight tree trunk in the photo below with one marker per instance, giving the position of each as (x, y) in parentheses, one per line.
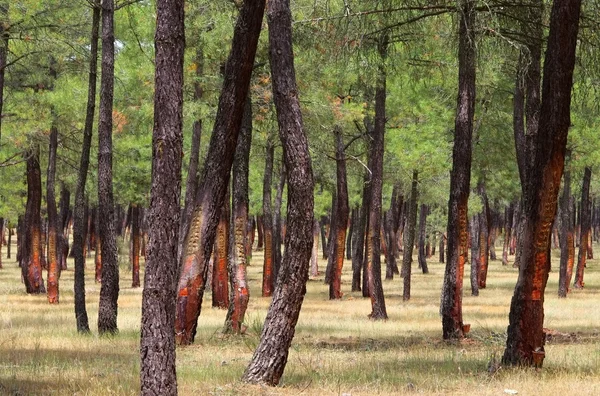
(409, 235)
(525, 341)
(277, 226)
(135, 245)
(460, 176)
(157, 372)
(378, 309)
(267, 277)
(314, 258)
(53, 239)
(367, 187)
(210, 196)
(97, 242)
(475, 230)
(109, 291)
(442, 248)
(260, 232)
(271, 355)
(342, 213)
(584, 241)
(192, 176)
(567, 233)
(423, 238)
(351, 222)
(220, 282)
(390, 241)
(508, 223)
(358, 243)
(239, 294)
(63, 226)
(483, 236)
(31, 256)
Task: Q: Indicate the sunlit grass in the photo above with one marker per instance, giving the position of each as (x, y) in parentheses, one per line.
(336, 349)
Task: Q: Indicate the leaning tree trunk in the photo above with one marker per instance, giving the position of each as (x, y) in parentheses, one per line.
(268, 363)
(342, 211)
(157, 345)
(109, 291)
(53, 238)
(422, 238)
(239, 294)
(135, 245)
(267, 276)
(525, 341)
(409, 235)
(584, 235)
(567, 240)
(31, 255)
(211, 193)
(460, 176)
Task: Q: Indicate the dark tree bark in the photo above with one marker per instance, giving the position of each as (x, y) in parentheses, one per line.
(423, 238)
(63, 226)
(483, 236)
(270, 357)
(220, 278)
(260, 232)
(351, 222)
(475, 255)
(460, 176)
(358, 243)
(409, 235)
(53, 239)
(525, 342)
(277, 225)
(342, 211)
(268, 278)
(109, 291)
(210, 196)
(135, 245)
(390, 241)
(508, 225)
(192, 175)
(584, 241)
(157, 372)
(97, 244)
(239, 294)
(323, 225)
(9, 244)
(567, 233)
(442, 247)
(31, 256)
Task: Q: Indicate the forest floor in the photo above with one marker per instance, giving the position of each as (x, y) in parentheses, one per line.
(337, 350)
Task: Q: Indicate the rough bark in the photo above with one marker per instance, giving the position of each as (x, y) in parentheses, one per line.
(342, 213)
(267, 277)
(53, 228)
(584, 241)
(239, 294)
(409, 235)
(277, 224)
(109, 291)
(271, 355)
(567, 243)
(358, 243)
(525, 341)
(157, 345)
(209, 199)
(220, 278)
(460, 176)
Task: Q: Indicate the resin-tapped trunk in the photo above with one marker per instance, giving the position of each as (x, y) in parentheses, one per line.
(584, 241)
(267, 276)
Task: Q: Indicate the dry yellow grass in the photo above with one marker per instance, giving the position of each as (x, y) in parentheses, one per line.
(336, 350)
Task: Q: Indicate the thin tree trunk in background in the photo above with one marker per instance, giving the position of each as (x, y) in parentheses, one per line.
(525, 341)
(210, 196)
(267, 277)
(109, 291)
(390, 238)
(314, 258)
(422, 238)
(157, 345)
(97, 247)
(220, 278)
(409, 235)
(351, 222)
(358, 244)
(483, 236)
(322, 225)
(442, 248)
(508, 224)
(277, 226)
(9, 244)
(239, 294)
(53, 239)
(269, 360)
(342, 212)
(135, 245)
(192, 175)
(585, 228)
(475, 254)
(460, 176)
(567, 243)
(63, 225)
(260, 231)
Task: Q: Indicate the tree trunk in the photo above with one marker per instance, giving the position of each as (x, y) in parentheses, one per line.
(53, 229)
(567, 245)
(239, 294)
(323, 224)
(314, 258)
(135, 245)
(378, 309)
(220, 283)
(267, 280)
(483, 236)
(277, 226)
(109, 291)
(210, 196)
(260, 231)
(475, 254)
(157, 345)
(358, 244)
(63, 226)
(390, 239)
(97, 247)
(508, 225)
(351, 222)
(442, 248)
(460, 176)
(409, 235)
(31, 257)
(271, 355)
(422, 238)
(341, 215)
(585, 228)
(525, 342)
